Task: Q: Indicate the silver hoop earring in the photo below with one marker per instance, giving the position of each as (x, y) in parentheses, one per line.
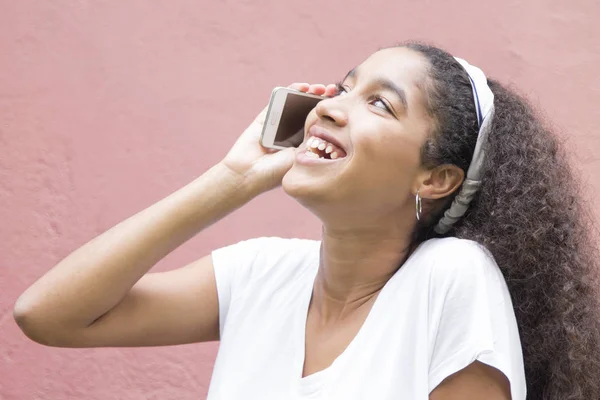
(418, 206)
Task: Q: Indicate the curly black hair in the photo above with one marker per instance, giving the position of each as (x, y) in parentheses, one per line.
(529, 213)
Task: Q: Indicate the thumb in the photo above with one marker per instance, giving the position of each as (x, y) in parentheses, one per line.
(284, 158)
(277, 163)
(272, 167)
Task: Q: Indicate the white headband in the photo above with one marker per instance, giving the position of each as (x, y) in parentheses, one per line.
(484, 106)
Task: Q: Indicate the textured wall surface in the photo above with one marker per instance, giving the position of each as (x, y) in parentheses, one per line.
(107, 106)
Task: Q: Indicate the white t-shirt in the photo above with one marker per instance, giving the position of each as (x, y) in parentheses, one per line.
(445, 308)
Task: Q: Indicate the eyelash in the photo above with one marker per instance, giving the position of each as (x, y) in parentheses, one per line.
(341, 89)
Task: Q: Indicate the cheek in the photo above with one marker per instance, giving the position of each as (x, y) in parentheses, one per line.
(383, 171)
(389, 153)
(310, 118)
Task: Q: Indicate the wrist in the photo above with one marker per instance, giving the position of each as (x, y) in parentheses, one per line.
(242, 183)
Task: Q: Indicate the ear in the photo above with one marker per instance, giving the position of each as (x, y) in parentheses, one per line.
(440, 182)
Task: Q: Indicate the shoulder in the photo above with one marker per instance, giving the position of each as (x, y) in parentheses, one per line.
(271, 245)
(454, 261)
(254, 257)
(470, 312)
(454, 249)
(275, 248)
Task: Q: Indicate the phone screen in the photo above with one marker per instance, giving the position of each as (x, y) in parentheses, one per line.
(290, 131)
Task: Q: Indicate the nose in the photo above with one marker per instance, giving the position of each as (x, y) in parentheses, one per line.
(332, 110)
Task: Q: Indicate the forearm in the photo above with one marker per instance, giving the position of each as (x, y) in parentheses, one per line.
(96, 277)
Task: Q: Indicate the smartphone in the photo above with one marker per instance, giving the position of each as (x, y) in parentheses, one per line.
(287, 112)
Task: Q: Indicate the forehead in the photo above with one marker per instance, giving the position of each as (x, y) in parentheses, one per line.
(402, 66)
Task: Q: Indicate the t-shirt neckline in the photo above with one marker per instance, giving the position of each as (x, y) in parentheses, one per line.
(315, 382)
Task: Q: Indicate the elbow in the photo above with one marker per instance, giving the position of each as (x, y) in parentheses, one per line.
(34, 325)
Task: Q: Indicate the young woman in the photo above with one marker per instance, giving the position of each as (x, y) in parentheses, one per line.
(455, 260)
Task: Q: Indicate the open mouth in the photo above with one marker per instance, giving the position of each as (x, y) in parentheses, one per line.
(320, 148)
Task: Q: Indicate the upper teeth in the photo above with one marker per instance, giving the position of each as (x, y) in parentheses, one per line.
(318, 143)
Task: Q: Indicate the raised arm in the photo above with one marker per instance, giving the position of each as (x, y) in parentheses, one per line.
(101, 294)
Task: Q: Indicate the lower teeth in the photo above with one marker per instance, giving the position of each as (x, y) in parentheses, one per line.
(315, 155)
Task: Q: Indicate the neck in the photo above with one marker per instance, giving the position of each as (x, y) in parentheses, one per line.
(355, 265)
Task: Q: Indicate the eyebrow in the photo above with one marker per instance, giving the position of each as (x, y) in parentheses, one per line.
(350, 74)
(386, 84)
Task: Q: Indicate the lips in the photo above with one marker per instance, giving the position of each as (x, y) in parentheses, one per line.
(322, 133)
(320, 148)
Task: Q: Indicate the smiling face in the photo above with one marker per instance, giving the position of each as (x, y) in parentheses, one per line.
(377, 125)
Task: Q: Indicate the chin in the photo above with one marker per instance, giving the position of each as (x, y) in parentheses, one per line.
(325, 196)
(306, 188)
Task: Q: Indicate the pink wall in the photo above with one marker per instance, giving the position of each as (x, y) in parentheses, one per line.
(105, 107)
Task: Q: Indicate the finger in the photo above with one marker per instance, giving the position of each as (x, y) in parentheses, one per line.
(303, 87)
(331, 90)
(270, 150)
(317, 89)
(260, 118)
(282, 159)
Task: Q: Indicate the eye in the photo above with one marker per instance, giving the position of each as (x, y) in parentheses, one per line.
(380, 103)
(341, 90)
(376, 101)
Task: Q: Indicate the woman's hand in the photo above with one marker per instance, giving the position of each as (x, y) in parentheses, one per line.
(265, 168)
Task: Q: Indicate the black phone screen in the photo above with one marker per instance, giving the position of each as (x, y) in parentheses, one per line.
(290, 132)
